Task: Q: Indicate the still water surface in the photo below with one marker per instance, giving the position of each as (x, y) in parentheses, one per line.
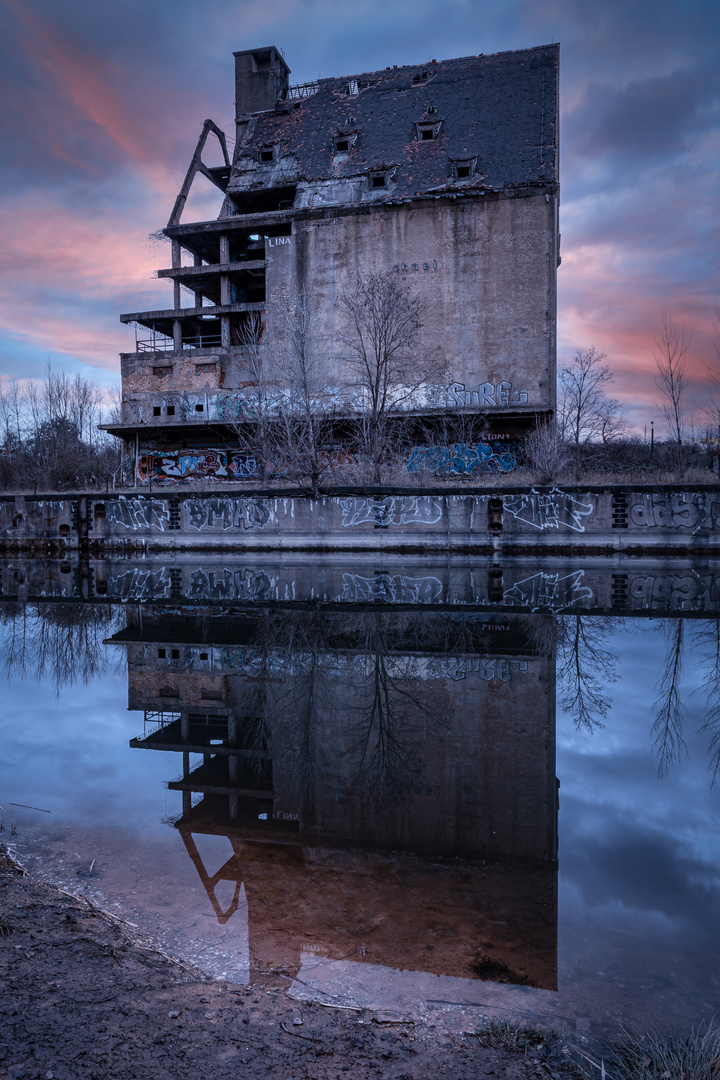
(432, 813)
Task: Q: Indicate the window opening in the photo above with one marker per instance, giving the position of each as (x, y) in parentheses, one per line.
(427, 133)
(199, 408)
(267, 155)
(171, 410)
(378, 180)
(176, 654)
(161, 372)
(156, 410)
(161, 654)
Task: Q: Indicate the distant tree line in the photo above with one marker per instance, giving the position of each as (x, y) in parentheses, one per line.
(49, 437)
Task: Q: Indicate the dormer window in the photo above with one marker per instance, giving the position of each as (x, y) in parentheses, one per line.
(463, 170)
(267, 154)
(424, 132)
(378, 180)
(343, 143)
(420, 77)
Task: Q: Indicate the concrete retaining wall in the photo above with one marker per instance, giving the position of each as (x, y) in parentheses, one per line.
(612, 519)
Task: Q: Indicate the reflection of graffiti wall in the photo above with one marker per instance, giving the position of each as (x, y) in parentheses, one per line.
(547, 590)
(394, 589)
(460, 459)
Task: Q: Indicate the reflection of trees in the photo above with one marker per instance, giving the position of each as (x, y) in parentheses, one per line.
(670, 715)
(586, 668)
(390, 712)
(62, 642)
(708, 635)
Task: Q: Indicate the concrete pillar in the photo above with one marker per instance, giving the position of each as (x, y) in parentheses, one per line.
(176, 296)
(225, 331)
(224, 249)
(176, 254)
(177, 335)
(185, 727)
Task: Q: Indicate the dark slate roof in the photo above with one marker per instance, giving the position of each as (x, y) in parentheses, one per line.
(500, 109)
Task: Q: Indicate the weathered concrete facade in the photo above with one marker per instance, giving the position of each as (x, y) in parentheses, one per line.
(681, 519)
(443, 176)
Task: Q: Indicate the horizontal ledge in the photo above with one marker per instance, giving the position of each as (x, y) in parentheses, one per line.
(181, 272)
(190, 313)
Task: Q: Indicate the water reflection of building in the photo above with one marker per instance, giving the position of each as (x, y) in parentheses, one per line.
(386, 781)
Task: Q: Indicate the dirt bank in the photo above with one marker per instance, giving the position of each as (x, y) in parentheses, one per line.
(82, 998)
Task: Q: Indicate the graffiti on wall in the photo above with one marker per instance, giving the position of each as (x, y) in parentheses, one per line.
(681, 511)
(391, 588)
(393, 510)
(488, 395)
(198, 464)
(553, 591)
(135, 514)
(549, 510)
(228, 584)
(460, 459)
(228, 513)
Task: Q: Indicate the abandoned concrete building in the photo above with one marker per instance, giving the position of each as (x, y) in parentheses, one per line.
(441, 178)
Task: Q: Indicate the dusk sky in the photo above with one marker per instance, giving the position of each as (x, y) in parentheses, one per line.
(103, 103)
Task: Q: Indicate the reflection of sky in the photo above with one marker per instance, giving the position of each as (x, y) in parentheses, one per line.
(639, 858)
(71, 755)
(632, 846)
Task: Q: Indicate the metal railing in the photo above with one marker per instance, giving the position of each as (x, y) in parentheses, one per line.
(302, 90)
(202, 341)
(154, 344)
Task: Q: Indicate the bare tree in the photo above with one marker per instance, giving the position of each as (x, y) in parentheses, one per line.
(251, 415)
(585, 411)
(546, 453)
(305, 423)
(712, 410)
(671, 348)
(381, 335)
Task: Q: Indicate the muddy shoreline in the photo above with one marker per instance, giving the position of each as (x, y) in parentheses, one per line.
(84, 997)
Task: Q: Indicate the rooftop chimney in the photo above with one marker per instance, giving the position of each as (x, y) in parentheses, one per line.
(261, 77)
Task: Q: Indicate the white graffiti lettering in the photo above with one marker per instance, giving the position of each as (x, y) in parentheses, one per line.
(133, 513)
(549, 511)
(682, 511)
(228, 513)
(394, 510)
